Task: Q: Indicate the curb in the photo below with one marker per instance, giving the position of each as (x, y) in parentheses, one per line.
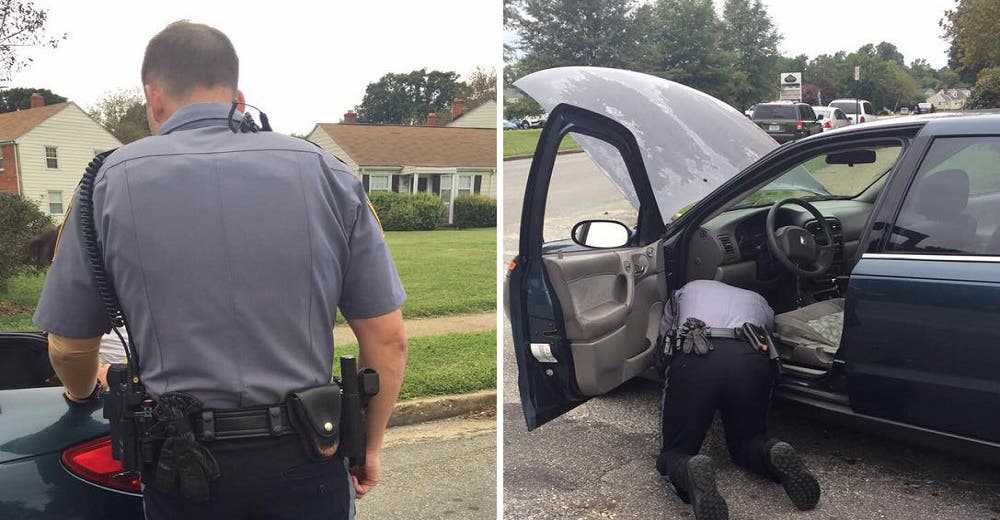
(518, 157)
(442, 407)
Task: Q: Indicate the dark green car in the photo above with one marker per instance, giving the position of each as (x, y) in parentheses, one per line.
(786, 121)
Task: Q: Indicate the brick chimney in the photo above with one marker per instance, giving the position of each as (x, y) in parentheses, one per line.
(350, 118)
(457, 108)
(37, 100)
(432, 119)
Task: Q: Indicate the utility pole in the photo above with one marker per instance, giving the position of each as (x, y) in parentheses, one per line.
(857, 103)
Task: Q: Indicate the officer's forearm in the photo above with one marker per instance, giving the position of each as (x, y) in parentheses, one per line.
(382, 345)
(75, 362)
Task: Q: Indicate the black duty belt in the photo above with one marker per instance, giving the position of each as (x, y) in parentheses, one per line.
(724, 333)
(242, 423)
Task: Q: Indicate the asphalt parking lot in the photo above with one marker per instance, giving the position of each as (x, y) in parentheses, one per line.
(597, 460)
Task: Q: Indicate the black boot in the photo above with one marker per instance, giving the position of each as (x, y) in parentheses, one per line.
(789, 468)
(696, 478)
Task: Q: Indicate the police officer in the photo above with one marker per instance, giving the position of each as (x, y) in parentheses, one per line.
(230, 253)
(715, 365)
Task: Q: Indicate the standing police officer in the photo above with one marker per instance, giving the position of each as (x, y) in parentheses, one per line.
(718, 363)
(230, 253)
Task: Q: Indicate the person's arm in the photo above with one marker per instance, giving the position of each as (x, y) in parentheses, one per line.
(382, 346)
(75, 362)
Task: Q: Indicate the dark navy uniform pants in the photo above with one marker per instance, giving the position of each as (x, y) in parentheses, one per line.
(734, 379)
(267, 478)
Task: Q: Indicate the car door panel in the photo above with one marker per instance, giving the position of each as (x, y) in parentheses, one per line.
(612, 304)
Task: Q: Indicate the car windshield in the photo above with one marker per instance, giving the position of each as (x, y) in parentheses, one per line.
(775, 112)
(849, 107)
(821, 114)
(816, 179)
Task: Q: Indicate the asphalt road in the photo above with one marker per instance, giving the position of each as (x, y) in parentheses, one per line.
(442, 469)
(597, 460)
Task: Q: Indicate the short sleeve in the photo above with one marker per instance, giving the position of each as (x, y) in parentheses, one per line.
(371, 285)
(70, 305)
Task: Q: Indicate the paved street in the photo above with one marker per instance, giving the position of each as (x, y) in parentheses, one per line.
(442, 469)
(597, 460)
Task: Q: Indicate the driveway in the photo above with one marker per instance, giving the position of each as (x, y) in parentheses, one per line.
(597, 460)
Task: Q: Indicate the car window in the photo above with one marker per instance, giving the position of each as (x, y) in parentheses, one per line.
(815, 179)
(847, 107)
(774, 112)
(840, 114)
(579, 190)
(867, 108)
(807, 113)
(820, 115)
(953, 204)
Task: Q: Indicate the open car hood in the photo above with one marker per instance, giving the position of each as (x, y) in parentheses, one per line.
(691, 142)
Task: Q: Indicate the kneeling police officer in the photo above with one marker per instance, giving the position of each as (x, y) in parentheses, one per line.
(225, 251)
(720, 357)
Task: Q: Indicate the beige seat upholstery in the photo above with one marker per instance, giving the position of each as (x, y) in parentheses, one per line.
(813, 332)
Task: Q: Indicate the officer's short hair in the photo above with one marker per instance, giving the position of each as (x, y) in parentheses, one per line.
(186, 55)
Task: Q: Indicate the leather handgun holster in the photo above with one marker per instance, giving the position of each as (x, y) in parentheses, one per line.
(315, 412)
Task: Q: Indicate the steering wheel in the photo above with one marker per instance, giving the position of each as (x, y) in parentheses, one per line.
(794, 247)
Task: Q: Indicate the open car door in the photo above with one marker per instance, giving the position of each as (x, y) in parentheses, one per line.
(584, 320)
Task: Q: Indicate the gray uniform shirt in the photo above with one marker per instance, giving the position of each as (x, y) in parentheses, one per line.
(230, 254)
(718, 305)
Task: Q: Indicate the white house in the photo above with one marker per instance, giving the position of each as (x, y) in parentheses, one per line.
(483, 115)
(445, 161)
(949, 98)
(44, 150)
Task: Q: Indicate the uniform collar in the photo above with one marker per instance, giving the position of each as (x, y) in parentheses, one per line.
(198, 115)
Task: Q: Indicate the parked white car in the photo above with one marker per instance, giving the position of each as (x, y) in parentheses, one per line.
(831, 118)
(851, 107)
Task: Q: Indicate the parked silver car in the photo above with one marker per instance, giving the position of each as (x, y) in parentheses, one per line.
(831, 118)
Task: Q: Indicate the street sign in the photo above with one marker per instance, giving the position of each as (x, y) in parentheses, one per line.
(857, 73)
(791, 86)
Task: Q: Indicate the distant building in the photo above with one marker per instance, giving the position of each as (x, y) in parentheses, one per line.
(949, 98)
(44, 150)
(447, 162)
(483, 115)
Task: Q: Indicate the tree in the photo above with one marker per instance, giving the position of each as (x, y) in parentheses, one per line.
(971, 28)
(685, 46)
(480, 87)
(20, 98)
(123, 113)
(986, 92)
(23, 220)
(889, 52)
(406, 99)
(555, 33)
(21, 25)
(750, 36)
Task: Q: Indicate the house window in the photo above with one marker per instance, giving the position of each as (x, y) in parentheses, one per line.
(446, 188)
(51, 160)
(464, 186)
(378, 183)
(55, 203)
(1, 159)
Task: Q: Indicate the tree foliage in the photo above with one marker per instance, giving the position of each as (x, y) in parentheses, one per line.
(19, 98)
(480, 87)
(21, 25)
(123, 113)
(986, 92)
(406, 99)
(685, 45)
(972, 29)
(750, 36)
(23, 220)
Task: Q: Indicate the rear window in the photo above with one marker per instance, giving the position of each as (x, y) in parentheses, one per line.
(775, 112)
(847, 107)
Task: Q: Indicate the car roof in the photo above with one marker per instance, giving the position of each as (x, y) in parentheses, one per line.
(939, 123)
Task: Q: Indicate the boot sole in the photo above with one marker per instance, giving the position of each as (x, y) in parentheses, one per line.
(801, 486)
(706, 501)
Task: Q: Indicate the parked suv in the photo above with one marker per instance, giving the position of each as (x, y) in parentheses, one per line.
(855, 108)
(786, 121)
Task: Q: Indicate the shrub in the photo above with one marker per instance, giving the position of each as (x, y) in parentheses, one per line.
(22, 221)
(409, 212)
(986, 92)
(475, 211)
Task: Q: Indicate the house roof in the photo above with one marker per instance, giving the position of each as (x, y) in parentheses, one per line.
(385, 145)
(16, 124)
(954, 94)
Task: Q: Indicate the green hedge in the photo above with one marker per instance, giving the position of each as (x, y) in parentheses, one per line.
(409, 212)
(22, 220)
(475, 211)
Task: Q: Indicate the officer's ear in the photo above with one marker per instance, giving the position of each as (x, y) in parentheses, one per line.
(241, 101)
(156, 107)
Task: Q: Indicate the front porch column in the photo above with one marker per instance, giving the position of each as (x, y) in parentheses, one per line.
(414, 186)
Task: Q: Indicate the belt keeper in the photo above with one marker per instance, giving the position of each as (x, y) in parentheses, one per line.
(207, 425)
(274, 420)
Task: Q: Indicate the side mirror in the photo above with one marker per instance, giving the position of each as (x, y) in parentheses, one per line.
(601, 234)
(851, 157)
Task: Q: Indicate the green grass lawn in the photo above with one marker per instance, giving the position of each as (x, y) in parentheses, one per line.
(523, 142)
(444, 365)
(443, 272)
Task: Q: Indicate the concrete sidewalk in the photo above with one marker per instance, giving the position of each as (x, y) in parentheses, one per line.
(418, 327)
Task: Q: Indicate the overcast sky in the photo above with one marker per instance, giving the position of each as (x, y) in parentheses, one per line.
(301, 62)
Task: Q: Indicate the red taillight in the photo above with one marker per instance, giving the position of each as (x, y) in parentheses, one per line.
(92, 462)
(862, 119)
(799, 126)
(827, 124)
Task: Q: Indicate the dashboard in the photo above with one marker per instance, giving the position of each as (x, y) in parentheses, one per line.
(732, 247)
